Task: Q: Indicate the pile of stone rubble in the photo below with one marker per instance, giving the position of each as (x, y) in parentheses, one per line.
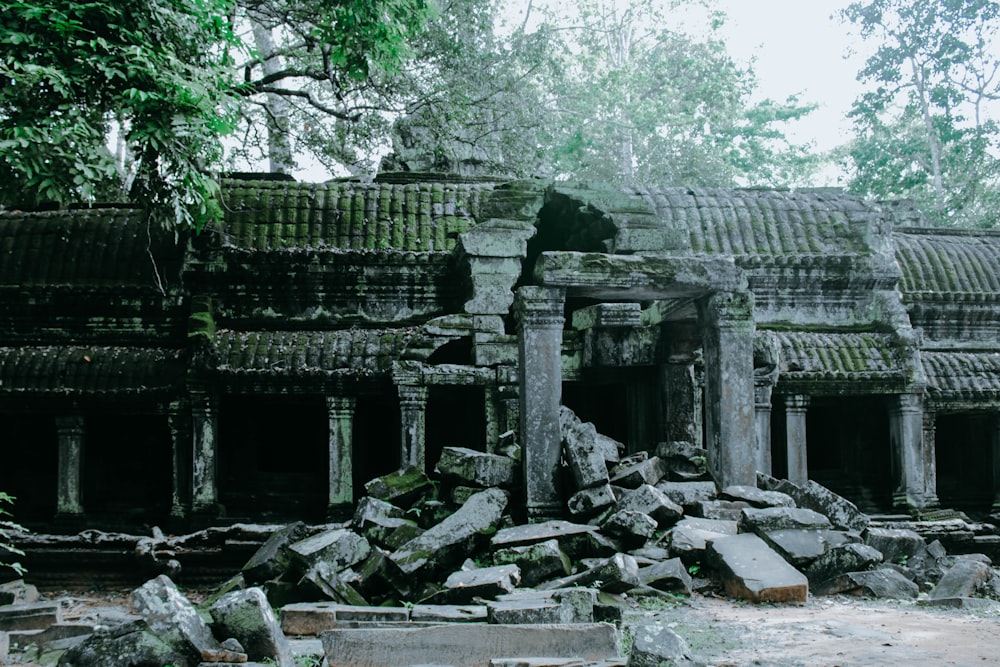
(443, 571)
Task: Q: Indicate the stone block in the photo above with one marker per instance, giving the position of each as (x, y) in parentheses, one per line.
(882, 583)
(898, 545)
(650, 471)
(464, 586)
(339, 547)
(725, 510)
(471, 468)
(369, 508)
(570, 605)
(247, 617)
(842, 513)
(390, 533)
(29, 616)
(688, 494)
(324, 578)
(617, 574)
(753, 571)
(961, 580)
(802, 547)
(690, 536)
(272, 558)
(685, 461)
(657, 645)
(452, 539)
(125, 645)
(18, 592)
(172, 618)
(587, 502)
(632, 528)
(669, 575)
(585, 456)
(311, 618)
(401, 488)
(650, 500)
(851, 557)
(448, 613)
(466, 644)
(767, 519)
(576, 540)
(537, 562)
(756, 497)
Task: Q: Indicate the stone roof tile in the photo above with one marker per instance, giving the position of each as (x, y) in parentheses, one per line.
(962, 375)
(818, 355)
(952, 261)
(71, 370)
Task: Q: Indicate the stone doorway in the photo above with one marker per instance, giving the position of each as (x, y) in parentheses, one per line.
(965, 461)
(30, 468)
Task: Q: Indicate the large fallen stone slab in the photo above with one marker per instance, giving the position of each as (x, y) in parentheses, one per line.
(617, 574)
(463, 586)
(898, 545)
(401, 488)
(668, 575)
(766, 519)
(448, 613)
(756, 497)
(882, 583)
(851, 557)
(657, 645)
(452, 538)
(584, 455)
(473, 468)
(339, 547)
(311, 618)
(842, 513)
(575, 539)
(466, 644)
(272, 558)
(753, 571)
(568, 605)
(802, 547)
(247, 617)
(961, 580)
(537, 562)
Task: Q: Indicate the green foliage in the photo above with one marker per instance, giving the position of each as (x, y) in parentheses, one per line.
(922, 130)
(152, 70)
(7, 527)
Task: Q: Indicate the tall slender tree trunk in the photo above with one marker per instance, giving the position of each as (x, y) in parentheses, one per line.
(279, 141)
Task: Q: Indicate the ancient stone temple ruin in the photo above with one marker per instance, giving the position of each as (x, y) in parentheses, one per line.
(322, 335)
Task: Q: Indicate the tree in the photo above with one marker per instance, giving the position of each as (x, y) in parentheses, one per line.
(923, 130)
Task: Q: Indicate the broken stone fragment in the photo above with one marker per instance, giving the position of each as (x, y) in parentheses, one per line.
(962, 580)
(369, 508)
(766, 519)
(685, 461)
(898, 545)
(339, 547)
(537, 562)
(587, 502)
(669, 575)
(18, 592)
(576, 540)
(724, 510)
(324, 578)
(452, 539)
(881, 583)
(390, 533)
(467, 467)
(802, 547)
(487, 583)
(650, 471)
(173, 619)
(851, 557)
(569, 605)
(656, 645)
(687, 494)
(402, 488)
(272, 558)
(126, 645)
(842, 513)
(753, 571)
(617, 574)
(247, 617)
(631, 527)
(756, 497)
(650, 500)
(689, 537)
(585, 456)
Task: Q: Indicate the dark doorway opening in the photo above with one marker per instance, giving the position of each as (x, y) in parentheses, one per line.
(456, 417)
(274, 457)
(376, 439)
(30, 467)
(127, 474)
(604, 405)
(963, 445)
(848, 449)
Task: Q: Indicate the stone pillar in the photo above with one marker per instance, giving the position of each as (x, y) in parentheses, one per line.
(180, 436)
(71, 432)
(762, 425)
(540, 325)
(930, 459)
(730, 437)
(491, 411)
(796, 406)
(679, 393)
(413, 420)
(340, 410)
(204, 454)
(906, 423)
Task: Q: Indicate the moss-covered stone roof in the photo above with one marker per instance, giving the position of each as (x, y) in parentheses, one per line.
(768, 222)
(73, 370)
(276, 215)
(819, 357)
(948, 261)
(310, 353)
(969, 376)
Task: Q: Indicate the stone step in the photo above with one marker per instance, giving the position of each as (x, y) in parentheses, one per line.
(467, 644)
(55, 632)
(33, 616)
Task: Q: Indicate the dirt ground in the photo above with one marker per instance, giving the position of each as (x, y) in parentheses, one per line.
(832, 631)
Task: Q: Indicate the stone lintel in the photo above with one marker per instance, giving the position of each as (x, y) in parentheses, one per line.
(609, 315)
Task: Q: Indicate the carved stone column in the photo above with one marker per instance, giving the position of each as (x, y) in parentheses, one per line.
(762, 425)
(540, 325)
(906, 425)
(678, 391)
(730, 437)
(204, 455)
(180, 435)
(796, 407)
(340, 410)
(930, 459)
(413, 425)
(71, 433)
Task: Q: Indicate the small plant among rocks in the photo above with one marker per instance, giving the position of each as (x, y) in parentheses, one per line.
(7, 528)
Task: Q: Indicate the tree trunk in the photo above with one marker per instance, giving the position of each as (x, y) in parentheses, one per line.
(279, 142)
